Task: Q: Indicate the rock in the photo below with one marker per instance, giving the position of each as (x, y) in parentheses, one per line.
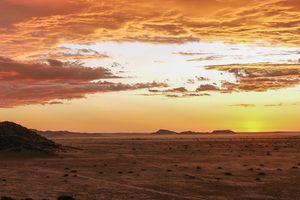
(65, 198)
(164, 132)
(190, 132)
(16, 138)
(6, 198)
(223, 132)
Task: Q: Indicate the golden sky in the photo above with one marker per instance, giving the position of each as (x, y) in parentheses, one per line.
(133, 65)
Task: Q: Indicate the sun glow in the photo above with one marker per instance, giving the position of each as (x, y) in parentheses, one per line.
(215, 63)
(253, 126)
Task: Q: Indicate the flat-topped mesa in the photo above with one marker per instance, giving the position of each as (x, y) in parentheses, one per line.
(168, 132)
(16, 138)
(164, 132)
(223, 132)
(189, 132)
(193, 133)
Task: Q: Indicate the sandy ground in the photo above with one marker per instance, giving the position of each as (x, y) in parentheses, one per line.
(242, 166)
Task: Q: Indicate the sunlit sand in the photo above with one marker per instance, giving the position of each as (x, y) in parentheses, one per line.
(147, 166)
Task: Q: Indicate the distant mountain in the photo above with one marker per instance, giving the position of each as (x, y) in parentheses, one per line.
(223, 132)
(16, 138)
(50, 134)
(168, 132)
(192, 132)
(164, 132)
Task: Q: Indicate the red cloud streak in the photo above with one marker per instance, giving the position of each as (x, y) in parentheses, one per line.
(41, 83)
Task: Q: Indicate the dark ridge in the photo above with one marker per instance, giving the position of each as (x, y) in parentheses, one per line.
(223, 132)
(49, 134)
(16, 138)
(168, 132)
(192, 132)
(188, 132)
(165, 132)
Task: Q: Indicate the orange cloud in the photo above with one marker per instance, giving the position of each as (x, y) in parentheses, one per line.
(15, 11)
(36, 26)
(207, 88)
(259, 77)
(64, 53)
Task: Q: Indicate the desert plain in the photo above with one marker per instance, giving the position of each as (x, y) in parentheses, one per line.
(239, 166)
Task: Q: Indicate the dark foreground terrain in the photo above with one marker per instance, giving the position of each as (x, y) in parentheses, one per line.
(240, 166)
(16, 138)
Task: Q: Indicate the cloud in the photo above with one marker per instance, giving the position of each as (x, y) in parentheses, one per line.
(196, 94)
(259, 77)
(173, 95)
(23, 83)
(64, 53)
(183, 95)
(201, 78)
(189, 54)
(244, 105)
(50, 70)
(180, 92)
(12, 95)
(197, 79)
(15, 11)
(207, 88)
(34, 27)
(53, 103)
(206, 58)
(274, 105)
(173, 90)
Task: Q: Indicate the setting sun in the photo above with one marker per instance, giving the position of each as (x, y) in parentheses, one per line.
(253, 126)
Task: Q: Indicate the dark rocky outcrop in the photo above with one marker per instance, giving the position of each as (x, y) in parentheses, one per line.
(223, 132)
(16, 138)
(192, 133)
(188, 132)
(55, 134)
(168, 132)
(164, 132)
(65, 198)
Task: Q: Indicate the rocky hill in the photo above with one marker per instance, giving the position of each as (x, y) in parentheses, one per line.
(223, 132)
(169, 132)
(164, 132)
(16, 138)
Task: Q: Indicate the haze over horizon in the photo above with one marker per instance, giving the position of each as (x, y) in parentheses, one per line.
(136, 66)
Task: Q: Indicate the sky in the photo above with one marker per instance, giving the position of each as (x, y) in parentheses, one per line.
(138, 66)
